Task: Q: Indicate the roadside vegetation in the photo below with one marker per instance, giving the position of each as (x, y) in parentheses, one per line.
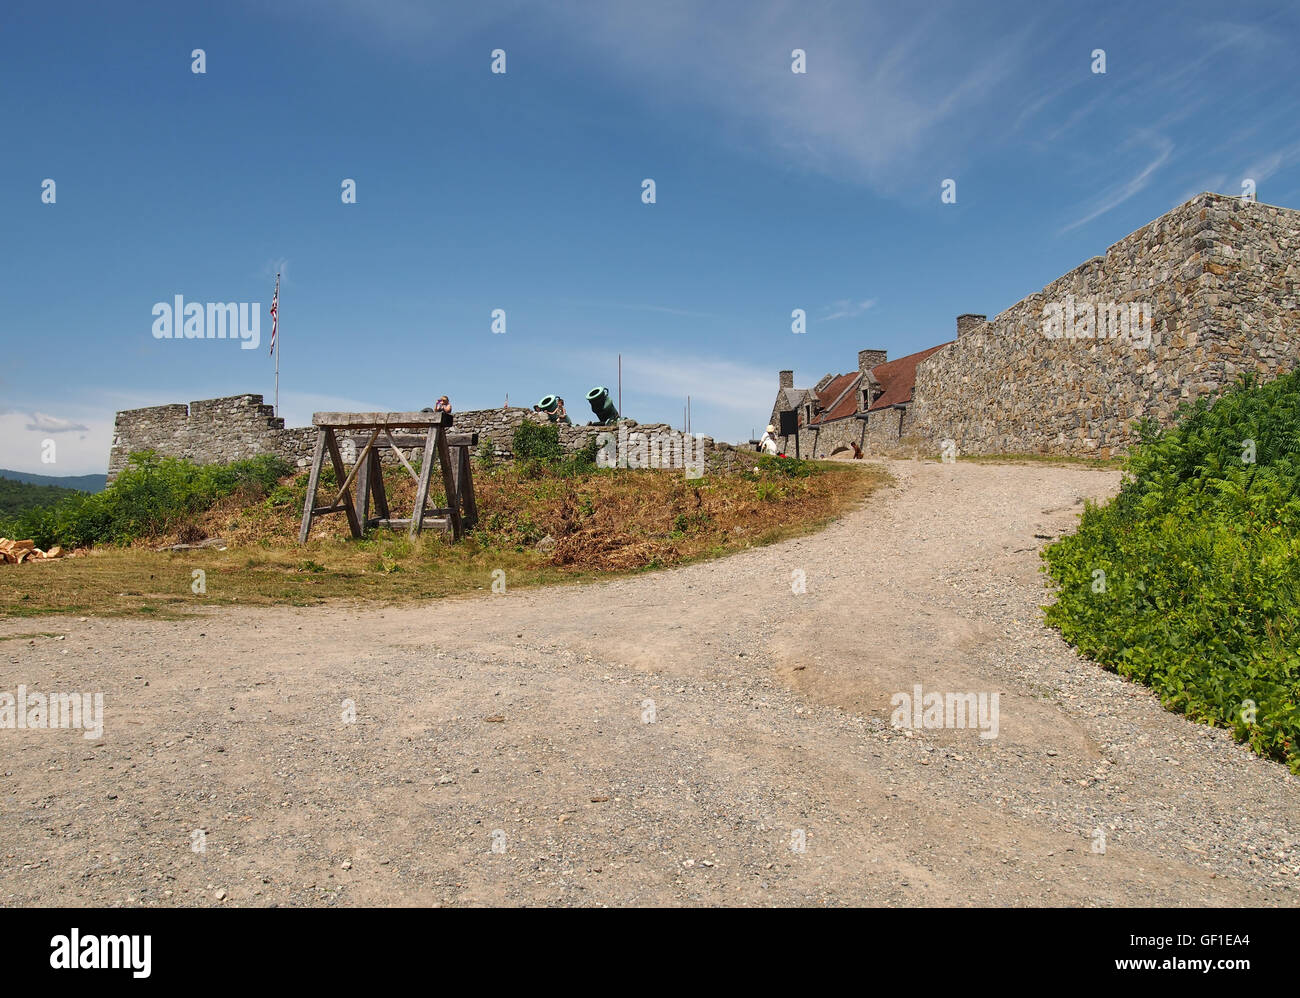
(150, 497)
(1189, 580)
(548, 517)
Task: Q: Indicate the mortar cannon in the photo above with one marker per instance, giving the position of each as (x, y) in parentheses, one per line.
(553, 406)
(603, 406)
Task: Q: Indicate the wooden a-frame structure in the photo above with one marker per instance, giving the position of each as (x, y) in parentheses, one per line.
(451, 450)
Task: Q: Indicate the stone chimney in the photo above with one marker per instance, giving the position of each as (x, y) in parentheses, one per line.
(786, 379)
(969, 322)
(867, 359)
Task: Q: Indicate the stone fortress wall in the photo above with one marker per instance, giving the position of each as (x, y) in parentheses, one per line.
(1222, 279)
(217, 431)
(212, 431)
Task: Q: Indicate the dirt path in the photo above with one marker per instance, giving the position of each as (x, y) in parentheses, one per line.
(770, 723)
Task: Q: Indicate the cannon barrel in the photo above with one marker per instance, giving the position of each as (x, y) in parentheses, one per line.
(550, 404)
(603, 406)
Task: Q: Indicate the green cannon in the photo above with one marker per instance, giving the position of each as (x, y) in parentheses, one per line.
(603, 406)
(551, 405)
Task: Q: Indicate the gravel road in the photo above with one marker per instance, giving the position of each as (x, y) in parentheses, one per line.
(699, 736)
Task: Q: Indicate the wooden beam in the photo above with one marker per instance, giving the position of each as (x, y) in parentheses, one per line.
(365, 454)
(449, 487)
(422, 484)
(408, 440)
(337, 460)
(364, 486)
(369, 420)
(313, 480)
(402, 457)
(465, 497)
(377, 488)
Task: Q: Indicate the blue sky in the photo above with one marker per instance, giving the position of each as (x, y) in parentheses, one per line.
(522, 191)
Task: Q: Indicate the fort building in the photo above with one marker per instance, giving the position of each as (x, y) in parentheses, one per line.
(1173, 312)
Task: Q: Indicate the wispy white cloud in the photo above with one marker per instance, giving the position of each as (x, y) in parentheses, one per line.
(1267, 165)
(724, 384)
(886, 88)
(1075, 117)
(1117, 194)
(846, 308)
(40, 422)
(879, 95)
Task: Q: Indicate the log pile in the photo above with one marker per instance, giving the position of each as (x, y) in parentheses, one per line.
(17, 552)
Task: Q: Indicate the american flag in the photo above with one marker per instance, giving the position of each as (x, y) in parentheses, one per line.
(275, 313)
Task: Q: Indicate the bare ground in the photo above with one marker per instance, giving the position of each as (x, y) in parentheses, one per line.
(520, 720)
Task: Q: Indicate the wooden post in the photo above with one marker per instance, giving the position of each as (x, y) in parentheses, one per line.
(345, 497)
(455, 525)
(377, 486)
(454, 500)
(422, 489)
(465, 487)
(364, 467)
(308, 506)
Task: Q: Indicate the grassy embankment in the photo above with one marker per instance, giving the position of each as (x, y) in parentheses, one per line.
(602, 522)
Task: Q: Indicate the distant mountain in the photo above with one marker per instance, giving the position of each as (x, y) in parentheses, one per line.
(82, 483)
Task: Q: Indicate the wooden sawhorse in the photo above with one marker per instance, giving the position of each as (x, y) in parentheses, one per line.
(457, 476)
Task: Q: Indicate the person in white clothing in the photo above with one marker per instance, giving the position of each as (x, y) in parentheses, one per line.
(768, 443)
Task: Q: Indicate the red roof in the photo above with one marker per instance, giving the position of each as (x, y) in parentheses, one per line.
(898, 378)
(829, 398)
(839, 399)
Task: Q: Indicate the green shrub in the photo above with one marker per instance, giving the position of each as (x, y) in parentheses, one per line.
(149, 496)
(786, 467)
(487, 454)
(1189, 580)
(286, 495)
(536, 441)
(584, 460)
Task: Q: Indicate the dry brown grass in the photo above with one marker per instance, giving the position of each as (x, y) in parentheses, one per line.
(602, 523)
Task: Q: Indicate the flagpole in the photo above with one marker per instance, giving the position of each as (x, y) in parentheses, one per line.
(277, 345)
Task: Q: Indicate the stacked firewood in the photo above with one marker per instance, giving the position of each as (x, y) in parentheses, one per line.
(16, 552)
